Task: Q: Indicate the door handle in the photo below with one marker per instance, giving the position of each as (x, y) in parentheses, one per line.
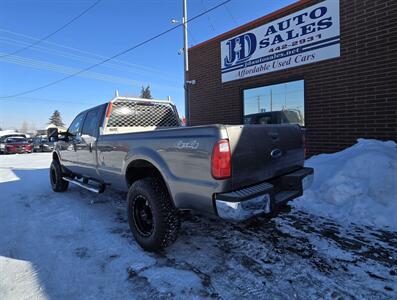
(276, 153)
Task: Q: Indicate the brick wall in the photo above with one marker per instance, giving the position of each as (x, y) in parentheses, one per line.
(346, 98)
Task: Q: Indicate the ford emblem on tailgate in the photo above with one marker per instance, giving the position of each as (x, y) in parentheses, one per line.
(275, 153)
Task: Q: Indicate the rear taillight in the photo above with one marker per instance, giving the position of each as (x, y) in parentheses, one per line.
(109, 109)
(221, 164)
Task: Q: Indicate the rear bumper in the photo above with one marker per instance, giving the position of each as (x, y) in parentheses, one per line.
(18, 151)
(263, 198)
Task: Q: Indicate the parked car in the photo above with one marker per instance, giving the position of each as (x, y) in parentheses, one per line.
(42, 144)
(5, 136)
(16, 144)
(138, 146)
(285, 116)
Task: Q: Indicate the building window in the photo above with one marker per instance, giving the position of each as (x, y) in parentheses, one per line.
(275, 104)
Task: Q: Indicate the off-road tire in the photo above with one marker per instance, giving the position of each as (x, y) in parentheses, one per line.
(57, 183)
(166, 221)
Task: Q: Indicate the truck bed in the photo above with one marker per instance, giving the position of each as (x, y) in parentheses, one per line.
(183, 155)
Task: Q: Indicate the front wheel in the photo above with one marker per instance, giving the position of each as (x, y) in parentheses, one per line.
(57, 183)
(152, 217)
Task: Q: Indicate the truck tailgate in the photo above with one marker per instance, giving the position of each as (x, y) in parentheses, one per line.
(260, 152)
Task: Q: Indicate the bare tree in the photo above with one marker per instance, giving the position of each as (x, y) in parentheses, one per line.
(32, 127)
(24, 127)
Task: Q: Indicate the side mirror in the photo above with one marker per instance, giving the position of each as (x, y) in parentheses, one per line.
(52, 134)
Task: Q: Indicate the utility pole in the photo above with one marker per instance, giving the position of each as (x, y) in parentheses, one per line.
(259, 103)
(271, 100)
(185, 62)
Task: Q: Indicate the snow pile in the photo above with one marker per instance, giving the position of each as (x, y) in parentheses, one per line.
(358, 184)
(5, 132)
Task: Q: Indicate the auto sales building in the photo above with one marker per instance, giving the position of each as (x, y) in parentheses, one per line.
(330, 66)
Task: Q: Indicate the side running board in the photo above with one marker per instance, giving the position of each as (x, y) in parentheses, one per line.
(95, 189)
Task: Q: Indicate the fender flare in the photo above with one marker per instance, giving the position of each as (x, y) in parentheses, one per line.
(153, 158)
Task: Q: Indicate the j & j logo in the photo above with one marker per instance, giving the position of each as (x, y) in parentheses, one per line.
(240, 49)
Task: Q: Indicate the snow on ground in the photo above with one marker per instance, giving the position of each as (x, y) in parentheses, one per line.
(357, 185)
(77, 245)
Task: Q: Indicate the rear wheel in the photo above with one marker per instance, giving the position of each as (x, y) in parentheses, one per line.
(57, 183)
(152, 217)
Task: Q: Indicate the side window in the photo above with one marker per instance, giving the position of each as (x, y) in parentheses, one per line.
(74, 128)
(91, 123)
(265, 120)
(247, 120)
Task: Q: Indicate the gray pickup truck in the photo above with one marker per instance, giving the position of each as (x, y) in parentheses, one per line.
(138, 146)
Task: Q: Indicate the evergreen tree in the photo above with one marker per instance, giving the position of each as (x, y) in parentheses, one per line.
(56, 119)
(145, 92)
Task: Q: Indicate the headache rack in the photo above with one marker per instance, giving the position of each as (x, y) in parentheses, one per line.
(126, 114)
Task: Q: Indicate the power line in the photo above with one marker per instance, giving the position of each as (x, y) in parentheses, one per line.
(27, 99)
(114, 56)
(208, 17)
(231, 15)
(279, 93)
(191, 36)
(45, 65)
(77, 57)
(56, 31)
(91, 54)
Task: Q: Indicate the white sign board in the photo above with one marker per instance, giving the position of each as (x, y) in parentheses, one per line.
(307, 36)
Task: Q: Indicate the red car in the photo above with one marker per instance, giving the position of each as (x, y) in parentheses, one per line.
(17, 144)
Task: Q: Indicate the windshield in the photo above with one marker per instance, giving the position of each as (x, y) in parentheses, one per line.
(16, 140)
(293, 117)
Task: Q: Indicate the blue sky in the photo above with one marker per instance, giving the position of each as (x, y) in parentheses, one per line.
(111, 26)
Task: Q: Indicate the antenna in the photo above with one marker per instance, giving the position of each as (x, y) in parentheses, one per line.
(116, 93)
